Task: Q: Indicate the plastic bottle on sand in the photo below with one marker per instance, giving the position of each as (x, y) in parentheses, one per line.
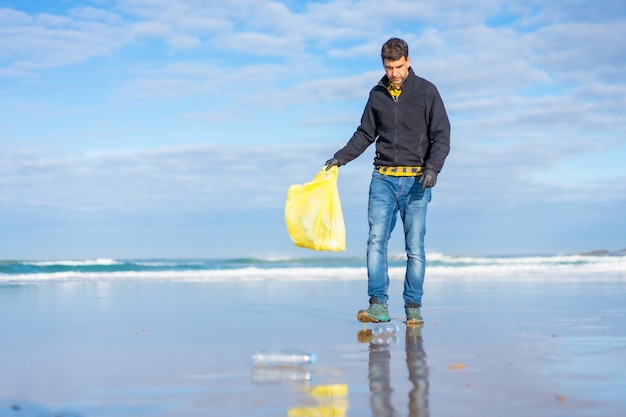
(384, 329)
(282, 358)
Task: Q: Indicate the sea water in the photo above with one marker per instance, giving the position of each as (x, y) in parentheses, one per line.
(571, 267)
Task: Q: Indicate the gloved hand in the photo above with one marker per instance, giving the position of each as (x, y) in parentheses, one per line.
(332, 162)
(428, 179)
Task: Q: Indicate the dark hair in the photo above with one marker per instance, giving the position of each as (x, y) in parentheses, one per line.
(394, 49)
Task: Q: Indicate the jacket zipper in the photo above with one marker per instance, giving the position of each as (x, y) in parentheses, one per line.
(395, 123)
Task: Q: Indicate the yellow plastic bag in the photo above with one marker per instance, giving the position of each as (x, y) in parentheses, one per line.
(313, 213)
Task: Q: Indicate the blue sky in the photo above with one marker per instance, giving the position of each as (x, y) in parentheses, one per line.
(162, 128)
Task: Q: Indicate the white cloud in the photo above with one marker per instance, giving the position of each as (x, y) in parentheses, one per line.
(157, 180)
(46, 40)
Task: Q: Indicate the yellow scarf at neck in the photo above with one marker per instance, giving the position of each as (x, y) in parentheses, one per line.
(395, 92)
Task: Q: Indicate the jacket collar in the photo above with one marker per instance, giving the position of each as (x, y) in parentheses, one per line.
(384, 82)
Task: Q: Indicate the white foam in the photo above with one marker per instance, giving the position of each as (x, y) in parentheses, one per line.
(87, 262)
(504, 269)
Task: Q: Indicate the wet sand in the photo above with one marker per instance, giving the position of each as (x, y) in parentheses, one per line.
(488, 348)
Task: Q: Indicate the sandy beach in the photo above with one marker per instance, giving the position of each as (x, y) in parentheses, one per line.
(488, 348)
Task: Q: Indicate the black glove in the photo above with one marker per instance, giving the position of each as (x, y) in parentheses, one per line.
(428, 179)
(332, 162)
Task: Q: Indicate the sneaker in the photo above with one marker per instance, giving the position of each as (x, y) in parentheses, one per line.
(413, 316)
(376, 313)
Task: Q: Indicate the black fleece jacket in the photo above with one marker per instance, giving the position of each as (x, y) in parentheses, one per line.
(412, 131)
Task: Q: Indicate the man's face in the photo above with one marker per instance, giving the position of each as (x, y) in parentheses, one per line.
(397, 71)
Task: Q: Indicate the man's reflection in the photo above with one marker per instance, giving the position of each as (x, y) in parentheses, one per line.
(379, 372)
(418, 372)
(379, 376)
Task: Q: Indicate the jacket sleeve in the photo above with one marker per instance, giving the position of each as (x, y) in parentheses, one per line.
(438, 133)
(363, 137)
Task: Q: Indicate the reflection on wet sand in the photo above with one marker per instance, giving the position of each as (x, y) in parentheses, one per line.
(380, 376)
(418, 372)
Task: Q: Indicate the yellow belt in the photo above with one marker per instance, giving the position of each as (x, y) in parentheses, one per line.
(400, 171)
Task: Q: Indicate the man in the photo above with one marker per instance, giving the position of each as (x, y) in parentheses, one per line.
(407, 118)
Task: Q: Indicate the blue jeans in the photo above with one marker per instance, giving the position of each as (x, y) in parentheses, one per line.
(389, 196)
